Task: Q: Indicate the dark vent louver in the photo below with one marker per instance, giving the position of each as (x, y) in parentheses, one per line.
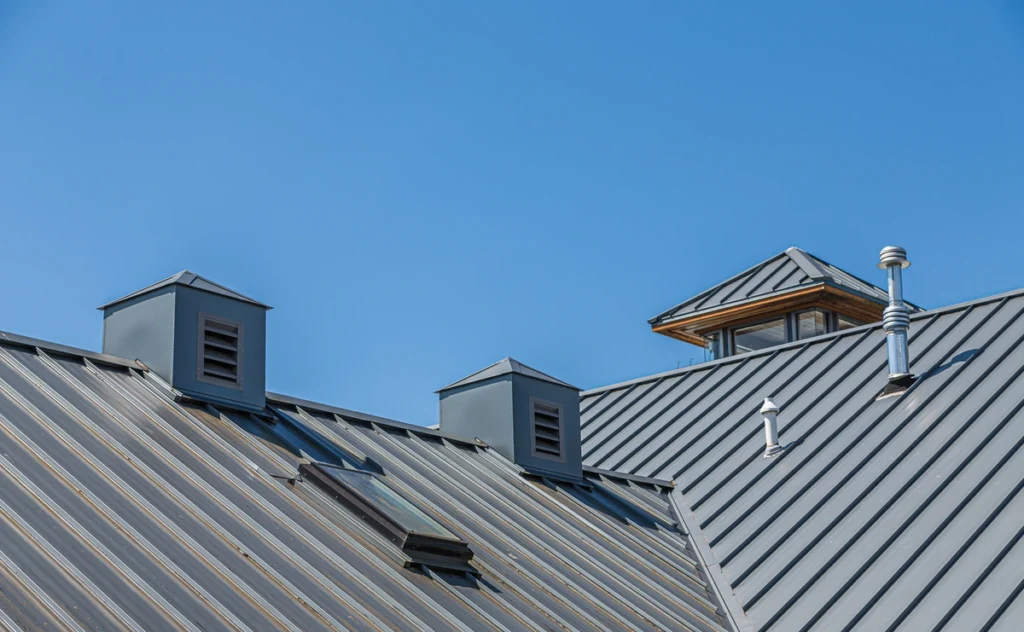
(220, 344)
(547, 429)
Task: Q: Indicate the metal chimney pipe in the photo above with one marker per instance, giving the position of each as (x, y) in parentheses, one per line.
(771, 429)
(896, 317)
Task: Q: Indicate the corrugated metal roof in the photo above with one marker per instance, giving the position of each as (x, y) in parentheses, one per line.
(900, 512)
(193, 280)
(123, 509)
(505, 367)
(788, 271)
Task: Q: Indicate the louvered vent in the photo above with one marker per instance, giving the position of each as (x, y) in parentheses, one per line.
(547, 429)
(220, 351)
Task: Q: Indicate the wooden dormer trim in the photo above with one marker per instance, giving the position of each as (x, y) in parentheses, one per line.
(826, 296)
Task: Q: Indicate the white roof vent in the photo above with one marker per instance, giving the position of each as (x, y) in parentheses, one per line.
(771, 429)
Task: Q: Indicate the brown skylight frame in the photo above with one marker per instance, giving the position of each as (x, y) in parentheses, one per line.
(431, 544)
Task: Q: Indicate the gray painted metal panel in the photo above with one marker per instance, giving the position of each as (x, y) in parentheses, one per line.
(788, 271)
(123, 509)
(481, 411)
(142, 328)
(901, 512)
(190, 303)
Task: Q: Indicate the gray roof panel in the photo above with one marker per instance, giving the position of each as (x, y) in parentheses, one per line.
(903, 510)
(788, 271)
(188, 279)
(122, 508)
(505, 367)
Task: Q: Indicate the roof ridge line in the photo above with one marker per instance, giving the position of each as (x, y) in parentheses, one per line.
(805, 261)
(368, 418)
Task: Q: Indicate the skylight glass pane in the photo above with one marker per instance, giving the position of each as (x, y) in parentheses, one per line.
(847, 323)
(759, 336)
(388, 502)
(811, 323)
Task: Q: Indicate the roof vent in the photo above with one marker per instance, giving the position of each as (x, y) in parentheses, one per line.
(896, 317)
(546, 431)
(206, 341)
(529, 417)
(220, 351)
(771, 429)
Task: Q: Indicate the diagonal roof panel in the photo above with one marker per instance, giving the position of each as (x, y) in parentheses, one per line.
(881, 512)
(121, 508)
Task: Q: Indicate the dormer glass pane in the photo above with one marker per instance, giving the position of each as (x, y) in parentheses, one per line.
(713, 347)
(847, 323)
(811, 323)
(759, 336)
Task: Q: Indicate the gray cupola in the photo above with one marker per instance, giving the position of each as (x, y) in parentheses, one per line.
(525, 415)
(206, 341)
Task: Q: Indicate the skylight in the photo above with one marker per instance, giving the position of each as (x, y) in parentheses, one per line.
(423, 539)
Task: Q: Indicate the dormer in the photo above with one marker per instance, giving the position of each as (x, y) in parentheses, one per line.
(792, 296)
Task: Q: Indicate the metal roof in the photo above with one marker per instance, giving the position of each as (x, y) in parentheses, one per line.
(505, 367)
(189, 279)
(899, 512)
(788, 271)
(121, 508)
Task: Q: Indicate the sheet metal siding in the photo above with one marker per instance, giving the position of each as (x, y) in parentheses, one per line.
(123, 510)
(902, 512)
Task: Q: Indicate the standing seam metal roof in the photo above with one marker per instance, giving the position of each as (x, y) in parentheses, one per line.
(121, 508)
(788, 271)
(902, 512)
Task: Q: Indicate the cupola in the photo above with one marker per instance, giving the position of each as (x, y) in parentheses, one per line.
(792, 296)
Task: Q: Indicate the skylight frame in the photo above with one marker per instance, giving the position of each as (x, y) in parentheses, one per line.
(429, 549)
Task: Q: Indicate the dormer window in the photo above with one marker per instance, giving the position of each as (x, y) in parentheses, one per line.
(813, 322)
(759, 335)
(786, 328)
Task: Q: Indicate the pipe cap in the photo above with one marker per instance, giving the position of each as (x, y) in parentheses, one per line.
(769, 406)
(893, 255)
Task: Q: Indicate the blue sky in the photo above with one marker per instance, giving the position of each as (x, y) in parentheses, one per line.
(421, 189)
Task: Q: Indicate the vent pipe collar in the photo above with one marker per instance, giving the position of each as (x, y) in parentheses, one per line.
(771, 429)
(896, 317)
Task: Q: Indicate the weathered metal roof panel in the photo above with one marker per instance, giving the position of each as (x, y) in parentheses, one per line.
(901, 511)
(121, 508)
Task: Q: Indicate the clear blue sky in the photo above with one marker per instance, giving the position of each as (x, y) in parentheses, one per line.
(422, 190)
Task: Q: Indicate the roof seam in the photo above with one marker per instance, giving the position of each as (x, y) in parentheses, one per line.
(727, 599)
